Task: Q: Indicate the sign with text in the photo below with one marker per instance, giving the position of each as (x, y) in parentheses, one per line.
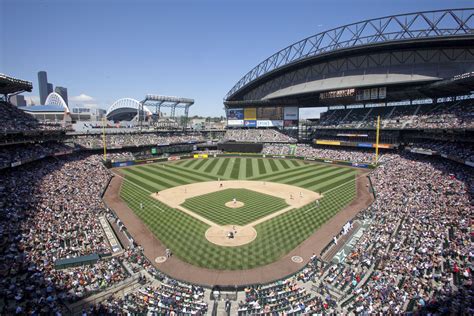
(269, 123)
(290, 113)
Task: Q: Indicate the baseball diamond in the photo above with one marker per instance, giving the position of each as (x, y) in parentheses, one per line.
(186, 234)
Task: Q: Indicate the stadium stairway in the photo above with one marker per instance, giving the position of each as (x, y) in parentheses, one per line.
(334, 249)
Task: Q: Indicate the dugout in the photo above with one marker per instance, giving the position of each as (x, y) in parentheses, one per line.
(76, 261)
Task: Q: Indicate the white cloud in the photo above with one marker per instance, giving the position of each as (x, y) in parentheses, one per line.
(90, 105)
(84, 98)
(32, 99)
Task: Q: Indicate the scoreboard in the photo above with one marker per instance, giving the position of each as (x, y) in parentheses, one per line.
(273, 116)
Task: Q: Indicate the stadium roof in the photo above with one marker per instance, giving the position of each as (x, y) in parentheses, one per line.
(11, 85)
(42, 108)
(419, 27)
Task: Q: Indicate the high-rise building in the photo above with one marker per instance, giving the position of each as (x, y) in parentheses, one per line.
(43, 86)
(18, 100)
(50, 88)
(62, 91)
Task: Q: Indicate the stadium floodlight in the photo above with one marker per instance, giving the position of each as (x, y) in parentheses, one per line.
(164, 98)
(171, 102)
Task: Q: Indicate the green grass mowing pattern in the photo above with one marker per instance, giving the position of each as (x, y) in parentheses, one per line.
(189, 163)
(211, 166)
(327, 177)
(193, 172)
(295, 163)
(243, 169)
(329, 186)
(169, 171)
(149, 179)
(276, 237)
(159, 172)
(261, 166)
(155, 176)
(235, 169)
(284, 164)
(141, 182)
(223, 167)
(212, 206)
(282, 172)
(278, 176)
(273, 165)
(314, 175)
(200, 164)
(248, 168)
(266, 163)
(180, 162)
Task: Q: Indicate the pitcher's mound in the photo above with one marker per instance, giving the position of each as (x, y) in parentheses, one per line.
(240, 235)
(235, 204)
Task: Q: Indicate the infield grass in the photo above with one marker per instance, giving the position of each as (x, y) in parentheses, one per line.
(256, 205)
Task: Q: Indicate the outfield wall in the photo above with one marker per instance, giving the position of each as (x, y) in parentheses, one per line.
(191, 156)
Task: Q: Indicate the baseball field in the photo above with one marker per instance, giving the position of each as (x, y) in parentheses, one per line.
(272, 205)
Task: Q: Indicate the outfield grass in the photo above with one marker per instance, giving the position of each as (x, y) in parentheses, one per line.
(275, 237)
(256, 205)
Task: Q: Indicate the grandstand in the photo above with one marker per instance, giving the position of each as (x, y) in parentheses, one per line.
(86, 235)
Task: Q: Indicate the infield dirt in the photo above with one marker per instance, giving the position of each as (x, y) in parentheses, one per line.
(295, 197)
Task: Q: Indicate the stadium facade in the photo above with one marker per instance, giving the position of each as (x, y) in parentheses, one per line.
(378, 61)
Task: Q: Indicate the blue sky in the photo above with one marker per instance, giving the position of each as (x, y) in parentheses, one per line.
(105, 50)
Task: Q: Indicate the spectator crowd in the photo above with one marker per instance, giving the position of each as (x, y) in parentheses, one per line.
(12, 119)
(461, 151)
(416, 255)
(258, 136)
(458, 114)
(95, 141)
(419, 243)
(344, 154)
(23, 153)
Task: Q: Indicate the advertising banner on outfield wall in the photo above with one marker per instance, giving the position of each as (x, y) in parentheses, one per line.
(235, 114)
(290, 113)
(250, 114)
(235, 122)
(383, 146)
(269, 123)
(250, 123)
(328, 142)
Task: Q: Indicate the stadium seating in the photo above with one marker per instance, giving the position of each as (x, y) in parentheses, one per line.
(13, 119)
(414, 254)
(457, 114)
(95, 141)
(257, 136)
